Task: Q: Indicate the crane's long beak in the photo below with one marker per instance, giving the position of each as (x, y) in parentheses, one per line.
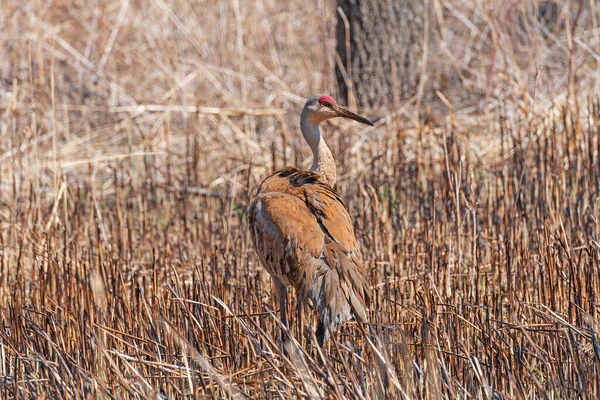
(342, 112)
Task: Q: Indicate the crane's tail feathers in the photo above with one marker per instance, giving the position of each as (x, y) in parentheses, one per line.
(338, 289)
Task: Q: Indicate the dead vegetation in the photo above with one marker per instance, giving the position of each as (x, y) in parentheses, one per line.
(133, 134)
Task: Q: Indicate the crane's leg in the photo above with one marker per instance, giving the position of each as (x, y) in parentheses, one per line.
(282, 292)
(299, 316)
(322, 333)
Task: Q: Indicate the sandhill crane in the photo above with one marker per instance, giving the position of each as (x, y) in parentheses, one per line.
(303, 234)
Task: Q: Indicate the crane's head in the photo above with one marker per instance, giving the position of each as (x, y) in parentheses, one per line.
(321, 107)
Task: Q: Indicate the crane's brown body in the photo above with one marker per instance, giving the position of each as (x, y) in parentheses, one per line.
(304, 236)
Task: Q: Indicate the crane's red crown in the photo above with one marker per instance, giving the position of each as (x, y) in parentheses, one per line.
(326, 100)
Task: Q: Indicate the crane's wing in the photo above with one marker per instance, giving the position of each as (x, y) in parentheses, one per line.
(324, 203)
(304, 237)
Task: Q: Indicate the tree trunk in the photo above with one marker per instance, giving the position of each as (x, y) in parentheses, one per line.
(381, 59)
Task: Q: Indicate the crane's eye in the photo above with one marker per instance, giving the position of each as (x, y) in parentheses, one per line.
(321, 104)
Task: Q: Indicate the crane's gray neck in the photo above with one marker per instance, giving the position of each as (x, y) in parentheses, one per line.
(323, 162)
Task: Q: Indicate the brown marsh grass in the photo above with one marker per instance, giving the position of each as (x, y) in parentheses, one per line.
(133, 134)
